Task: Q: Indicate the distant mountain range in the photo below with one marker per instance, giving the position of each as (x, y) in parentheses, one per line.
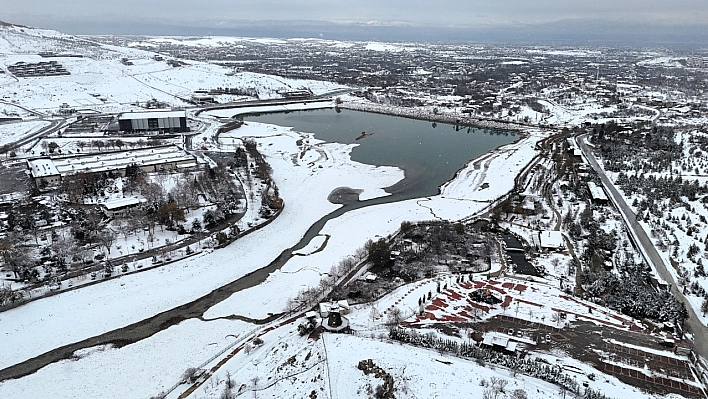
(566, 32)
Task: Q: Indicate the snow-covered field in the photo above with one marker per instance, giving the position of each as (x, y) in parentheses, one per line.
(288, 365)
(427, 374)
(10, 132)
(100, 81)
(304, 187)
(138, 370)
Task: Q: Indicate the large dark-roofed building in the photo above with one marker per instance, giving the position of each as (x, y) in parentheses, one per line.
(155, 121)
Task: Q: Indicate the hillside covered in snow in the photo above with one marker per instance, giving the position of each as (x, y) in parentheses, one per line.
(107, 78)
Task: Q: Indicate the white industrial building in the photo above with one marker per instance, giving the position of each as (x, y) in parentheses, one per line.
(152, 159)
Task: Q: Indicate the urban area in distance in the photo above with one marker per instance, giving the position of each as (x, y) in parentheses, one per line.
(220, 217)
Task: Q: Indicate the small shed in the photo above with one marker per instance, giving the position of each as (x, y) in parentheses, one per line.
(499, 342)
(552, 240)
(341, 307)
(117, 206)
(597, 194)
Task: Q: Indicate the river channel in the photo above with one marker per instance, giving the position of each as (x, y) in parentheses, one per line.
(430, 154)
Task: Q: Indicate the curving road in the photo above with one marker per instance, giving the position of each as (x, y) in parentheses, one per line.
(651, 255)
(30, 110)
(54, 125)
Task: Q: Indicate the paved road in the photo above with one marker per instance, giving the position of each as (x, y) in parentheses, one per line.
(255, 103)
(651, 255)
(23, 107)
(53, 126)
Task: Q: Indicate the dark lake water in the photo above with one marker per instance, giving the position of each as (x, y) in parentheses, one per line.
(430, 153)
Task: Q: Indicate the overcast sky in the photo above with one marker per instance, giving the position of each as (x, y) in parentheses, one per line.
(458, 13)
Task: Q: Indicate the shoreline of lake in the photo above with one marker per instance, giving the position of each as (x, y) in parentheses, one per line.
(423, 115)
(429, 154)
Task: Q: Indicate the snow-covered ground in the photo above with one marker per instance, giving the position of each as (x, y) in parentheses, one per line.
(426, 374)
(100, 81)
(131, 298)
(304, 188)
(306, 171)
(139, 370)
(11, 132)
(288, 365)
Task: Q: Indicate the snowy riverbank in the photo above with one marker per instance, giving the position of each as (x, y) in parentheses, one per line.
(306, 171)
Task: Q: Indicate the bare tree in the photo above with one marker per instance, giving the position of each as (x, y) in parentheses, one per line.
(6, 294)
(373, 313)
(106, 238)
(190, 375)
(227, 393)
(124, 227)
(185, 195)
(17, 258)
(229, 381)
(394, 316)
(347, 264)
(63, 245)
(519, 394)
(153, 193)
(498, 385)
(360, 254)
(254, 384)
(290, 305)
(476, 313)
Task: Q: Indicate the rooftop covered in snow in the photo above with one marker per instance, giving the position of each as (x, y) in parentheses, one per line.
(42, 167)
(153, 114)
(596, 192)
(109, 161)
(551, 239)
